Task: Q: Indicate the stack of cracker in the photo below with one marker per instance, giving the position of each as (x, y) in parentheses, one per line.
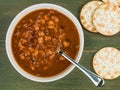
(102, 17)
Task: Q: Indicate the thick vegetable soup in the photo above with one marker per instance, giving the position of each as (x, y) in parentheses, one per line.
(37, 37)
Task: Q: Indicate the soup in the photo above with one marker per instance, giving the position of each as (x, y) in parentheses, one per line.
(36, 39)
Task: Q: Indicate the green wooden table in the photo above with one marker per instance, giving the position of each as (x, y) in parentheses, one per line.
(10, 79)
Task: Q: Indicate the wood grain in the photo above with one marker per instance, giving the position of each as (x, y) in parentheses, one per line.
(10, 79)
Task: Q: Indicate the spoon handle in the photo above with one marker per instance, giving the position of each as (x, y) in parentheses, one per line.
(98, 81)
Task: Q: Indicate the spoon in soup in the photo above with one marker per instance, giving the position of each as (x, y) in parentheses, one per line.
(98, 81)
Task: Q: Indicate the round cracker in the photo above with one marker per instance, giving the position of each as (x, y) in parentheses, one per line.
(86, 15)
(117, 2)
(106, 19)
(106, 63)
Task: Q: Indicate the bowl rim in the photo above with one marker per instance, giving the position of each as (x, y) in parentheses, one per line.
(12, 26)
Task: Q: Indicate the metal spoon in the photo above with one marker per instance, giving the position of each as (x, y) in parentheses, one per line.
(98, 81)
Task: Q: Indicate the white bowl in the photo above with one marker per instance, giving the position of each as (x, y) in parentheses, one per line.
(15, 22)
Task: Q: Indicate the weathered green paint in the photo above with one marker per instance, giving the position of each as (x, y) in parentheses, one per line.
(76, 80)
